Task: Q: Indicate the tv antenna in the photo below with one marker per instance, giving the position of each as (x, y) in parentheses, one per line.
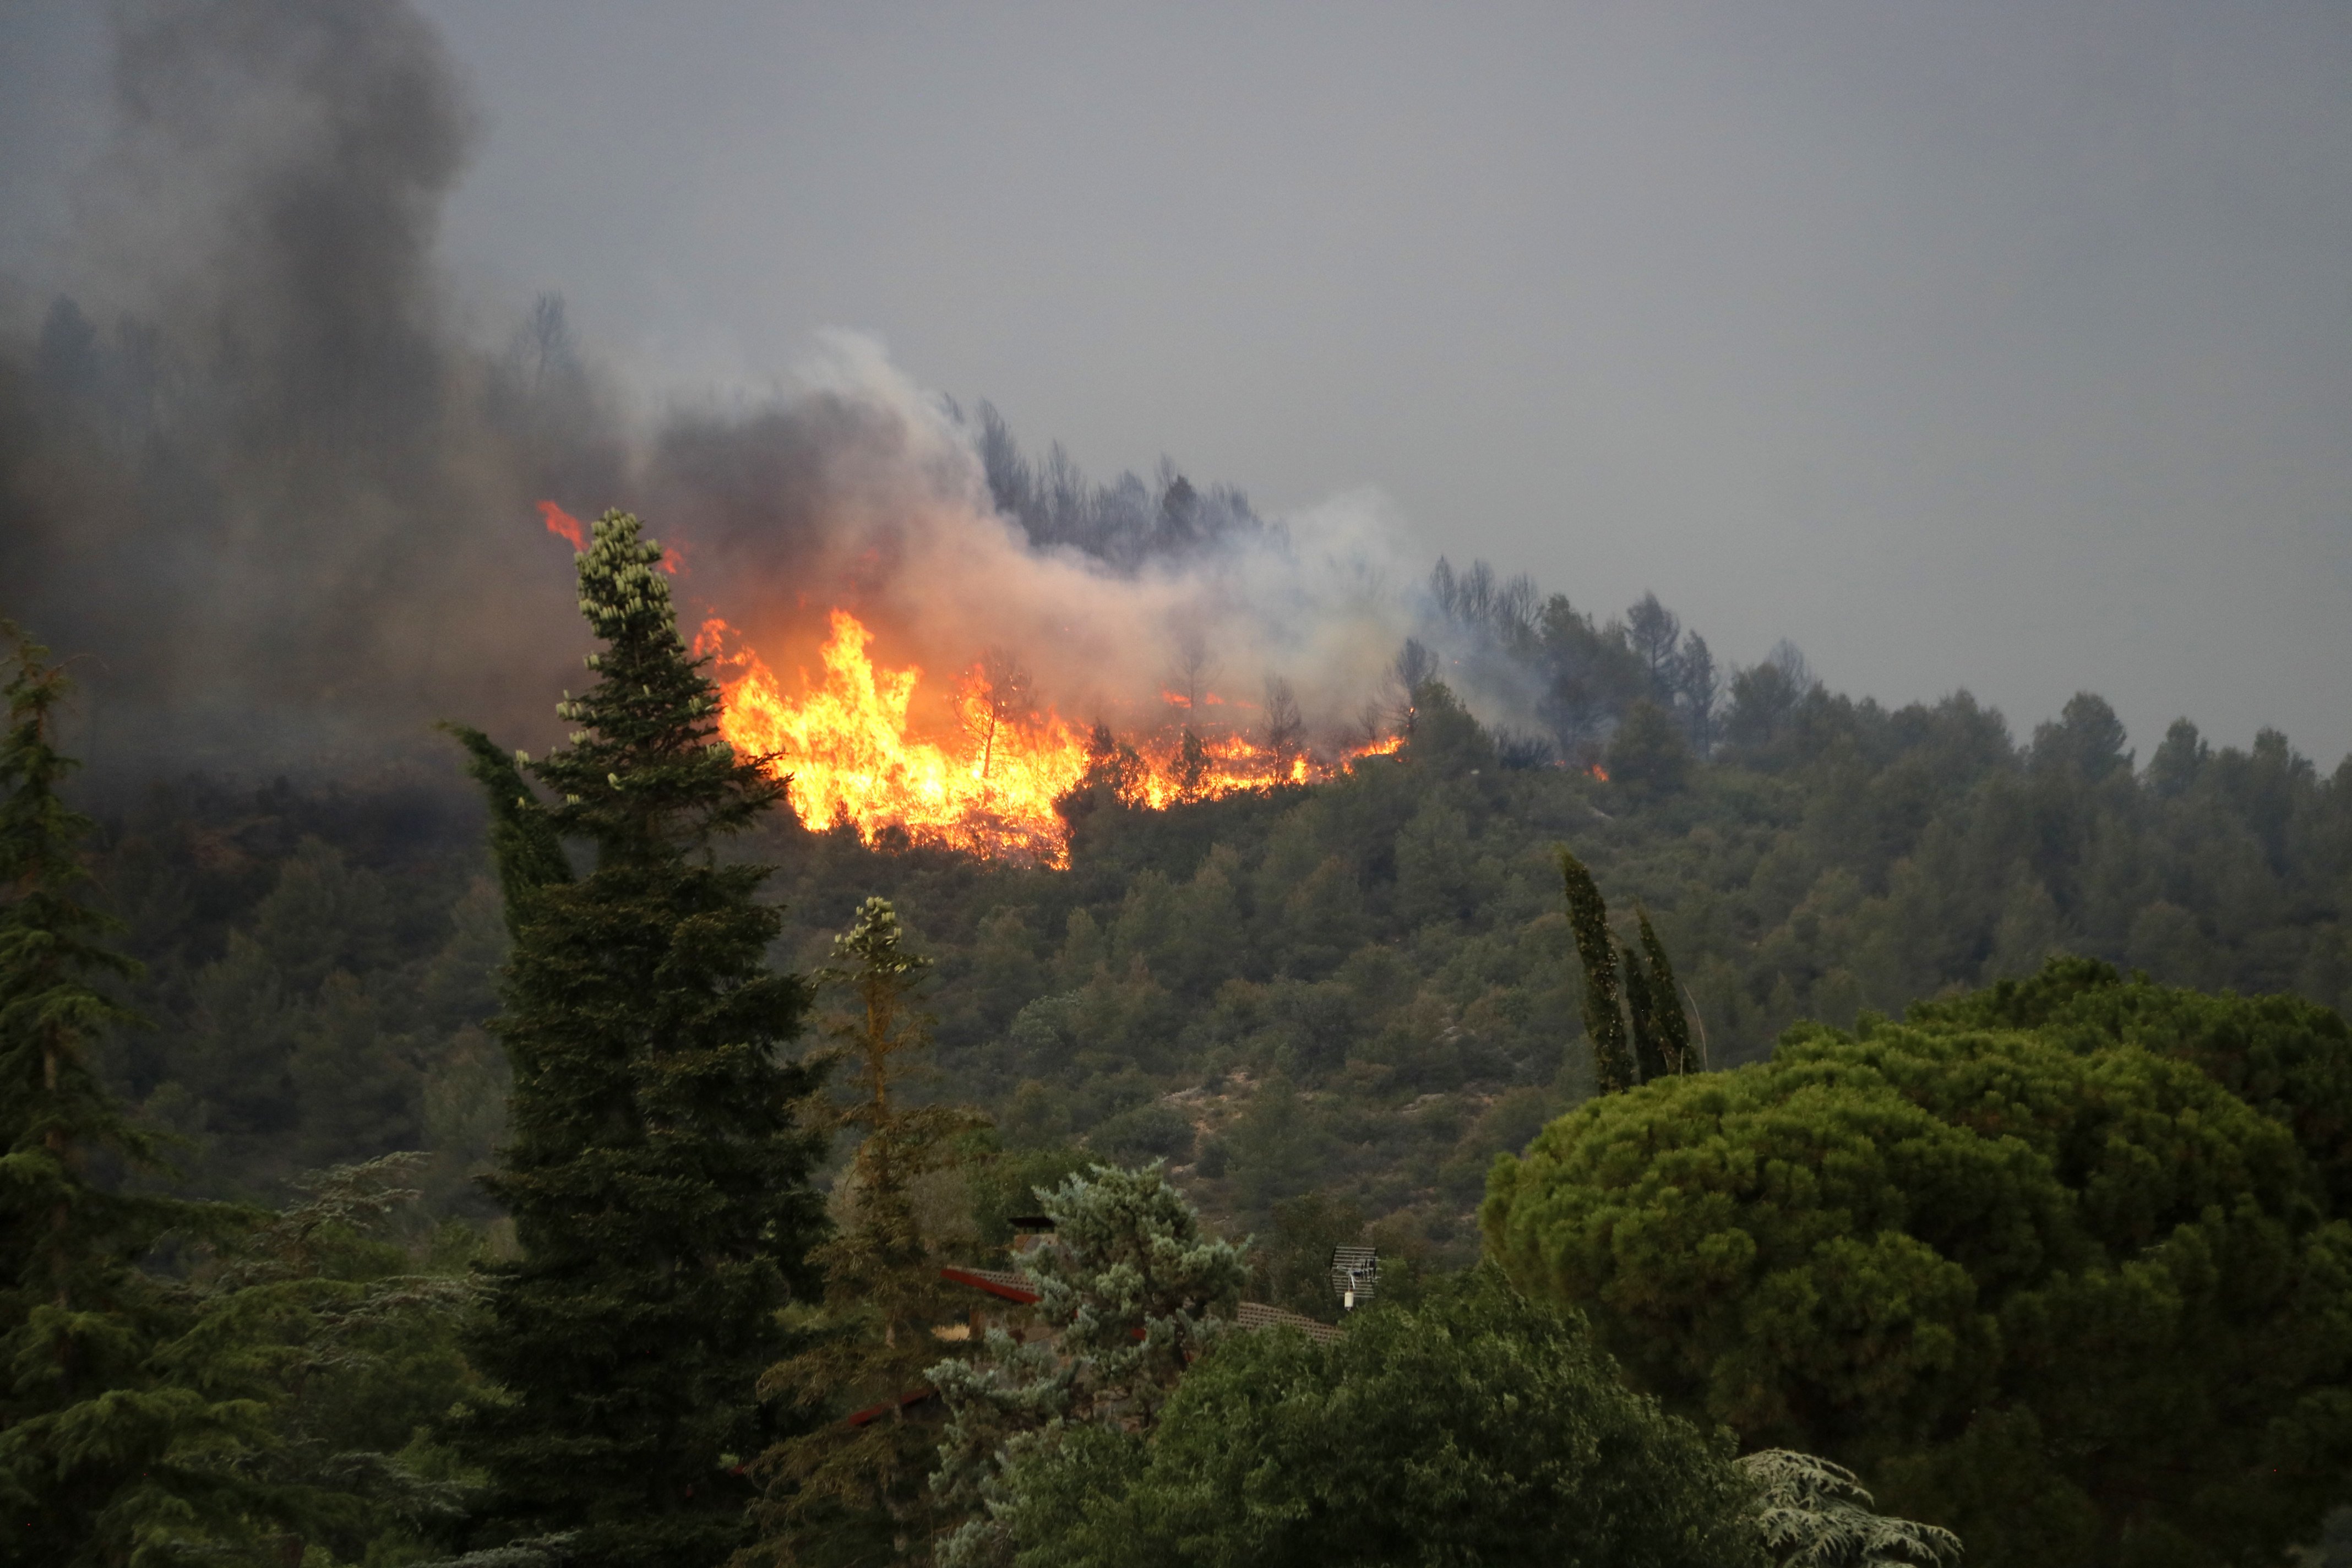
(1355, 1275)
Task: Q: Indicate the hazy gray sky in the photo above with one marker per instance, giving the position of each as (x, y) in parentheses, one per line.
(1998, 346)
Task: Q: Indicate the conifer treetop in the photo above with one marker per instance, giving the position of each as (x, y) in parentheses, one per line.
(45, 932)
(648, 768)
(52, 948)
(874, 940)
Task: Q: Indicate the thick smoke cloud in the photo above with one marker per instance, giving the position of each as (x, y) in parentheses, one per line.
(867, 493)
(245, 465)
(252, 467)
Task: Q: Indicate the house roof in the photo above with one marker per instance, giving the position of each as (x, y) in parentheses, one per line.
(1000, 1282)
(1259, 1315)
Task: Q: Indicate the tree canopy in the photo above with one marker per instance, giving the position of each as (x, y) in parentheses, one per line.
(2066, 1295)
(1132, 1288)
(1475, 1428)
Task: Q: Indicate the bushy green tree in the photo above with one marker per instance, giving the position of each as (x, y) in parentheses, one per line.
(654, 1166)
(1649, 757)
(860, 1492)
(232, 1412)
(347, 1338)
(2287, 1058)
(2071, 1298)
(1130, 1288)
(1475, 1427)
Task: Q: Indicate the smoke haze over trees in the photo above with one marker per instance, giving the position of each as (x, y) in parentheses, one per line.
(260, 462)
(264, 467)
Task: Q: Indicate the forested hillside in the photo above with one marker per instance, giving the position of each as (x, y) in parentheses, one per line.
(2057, 1267)
(1362, 988)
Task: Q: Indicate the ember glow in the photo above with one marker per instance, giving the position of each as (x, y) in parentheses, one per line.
(986, 783)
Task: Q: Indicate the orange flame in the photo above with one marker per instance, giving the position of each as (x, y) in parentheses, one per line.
(563, 525)
(846, 743)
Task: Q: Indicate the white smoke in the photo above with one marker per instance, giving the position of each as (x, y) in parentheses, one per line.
(889, 514)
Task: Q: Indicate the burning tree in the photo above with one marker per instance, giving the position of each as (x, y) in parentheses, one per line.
(658, 1176)
(997, 697)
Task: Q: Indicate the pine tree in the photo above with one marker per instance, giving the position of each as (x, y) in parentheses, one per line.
(1605, 1019)
(114, 1425)
(656, 1173)
(1191, 766)
(857, 1491)
(1130, 1290)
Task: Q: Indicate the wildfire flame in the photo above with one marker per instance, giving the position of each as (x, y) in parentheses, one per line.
(849, 745)
(846, 741)
(563, 525)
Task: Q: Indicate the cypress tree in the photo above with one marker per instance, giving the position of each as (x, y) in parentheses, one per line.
(655, 1171)
(114, 1431)
(1604, 1018)
(1670, 1027)
(1641, 1012)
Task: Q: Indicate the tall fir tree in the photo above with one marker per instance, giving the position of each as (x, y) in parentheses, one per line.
(858, 1490)
(657, 1174)
(115, 1429)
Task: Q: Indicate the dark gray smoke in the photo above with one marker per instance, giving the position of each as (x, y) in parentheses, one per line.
(253, 470)
(245, 466)
(248, 466)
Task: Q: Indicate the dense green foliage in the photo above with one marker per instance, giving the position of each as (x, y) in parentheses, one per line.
(2286, 1056)
(2064, 1294)
(1476, 1428)
(260, 1400)
(652, 1161)
(110, 1441)
(1131, 1287)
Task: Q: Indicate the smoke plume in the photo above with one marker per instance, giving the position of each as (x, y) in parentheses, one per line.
(252, 469)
